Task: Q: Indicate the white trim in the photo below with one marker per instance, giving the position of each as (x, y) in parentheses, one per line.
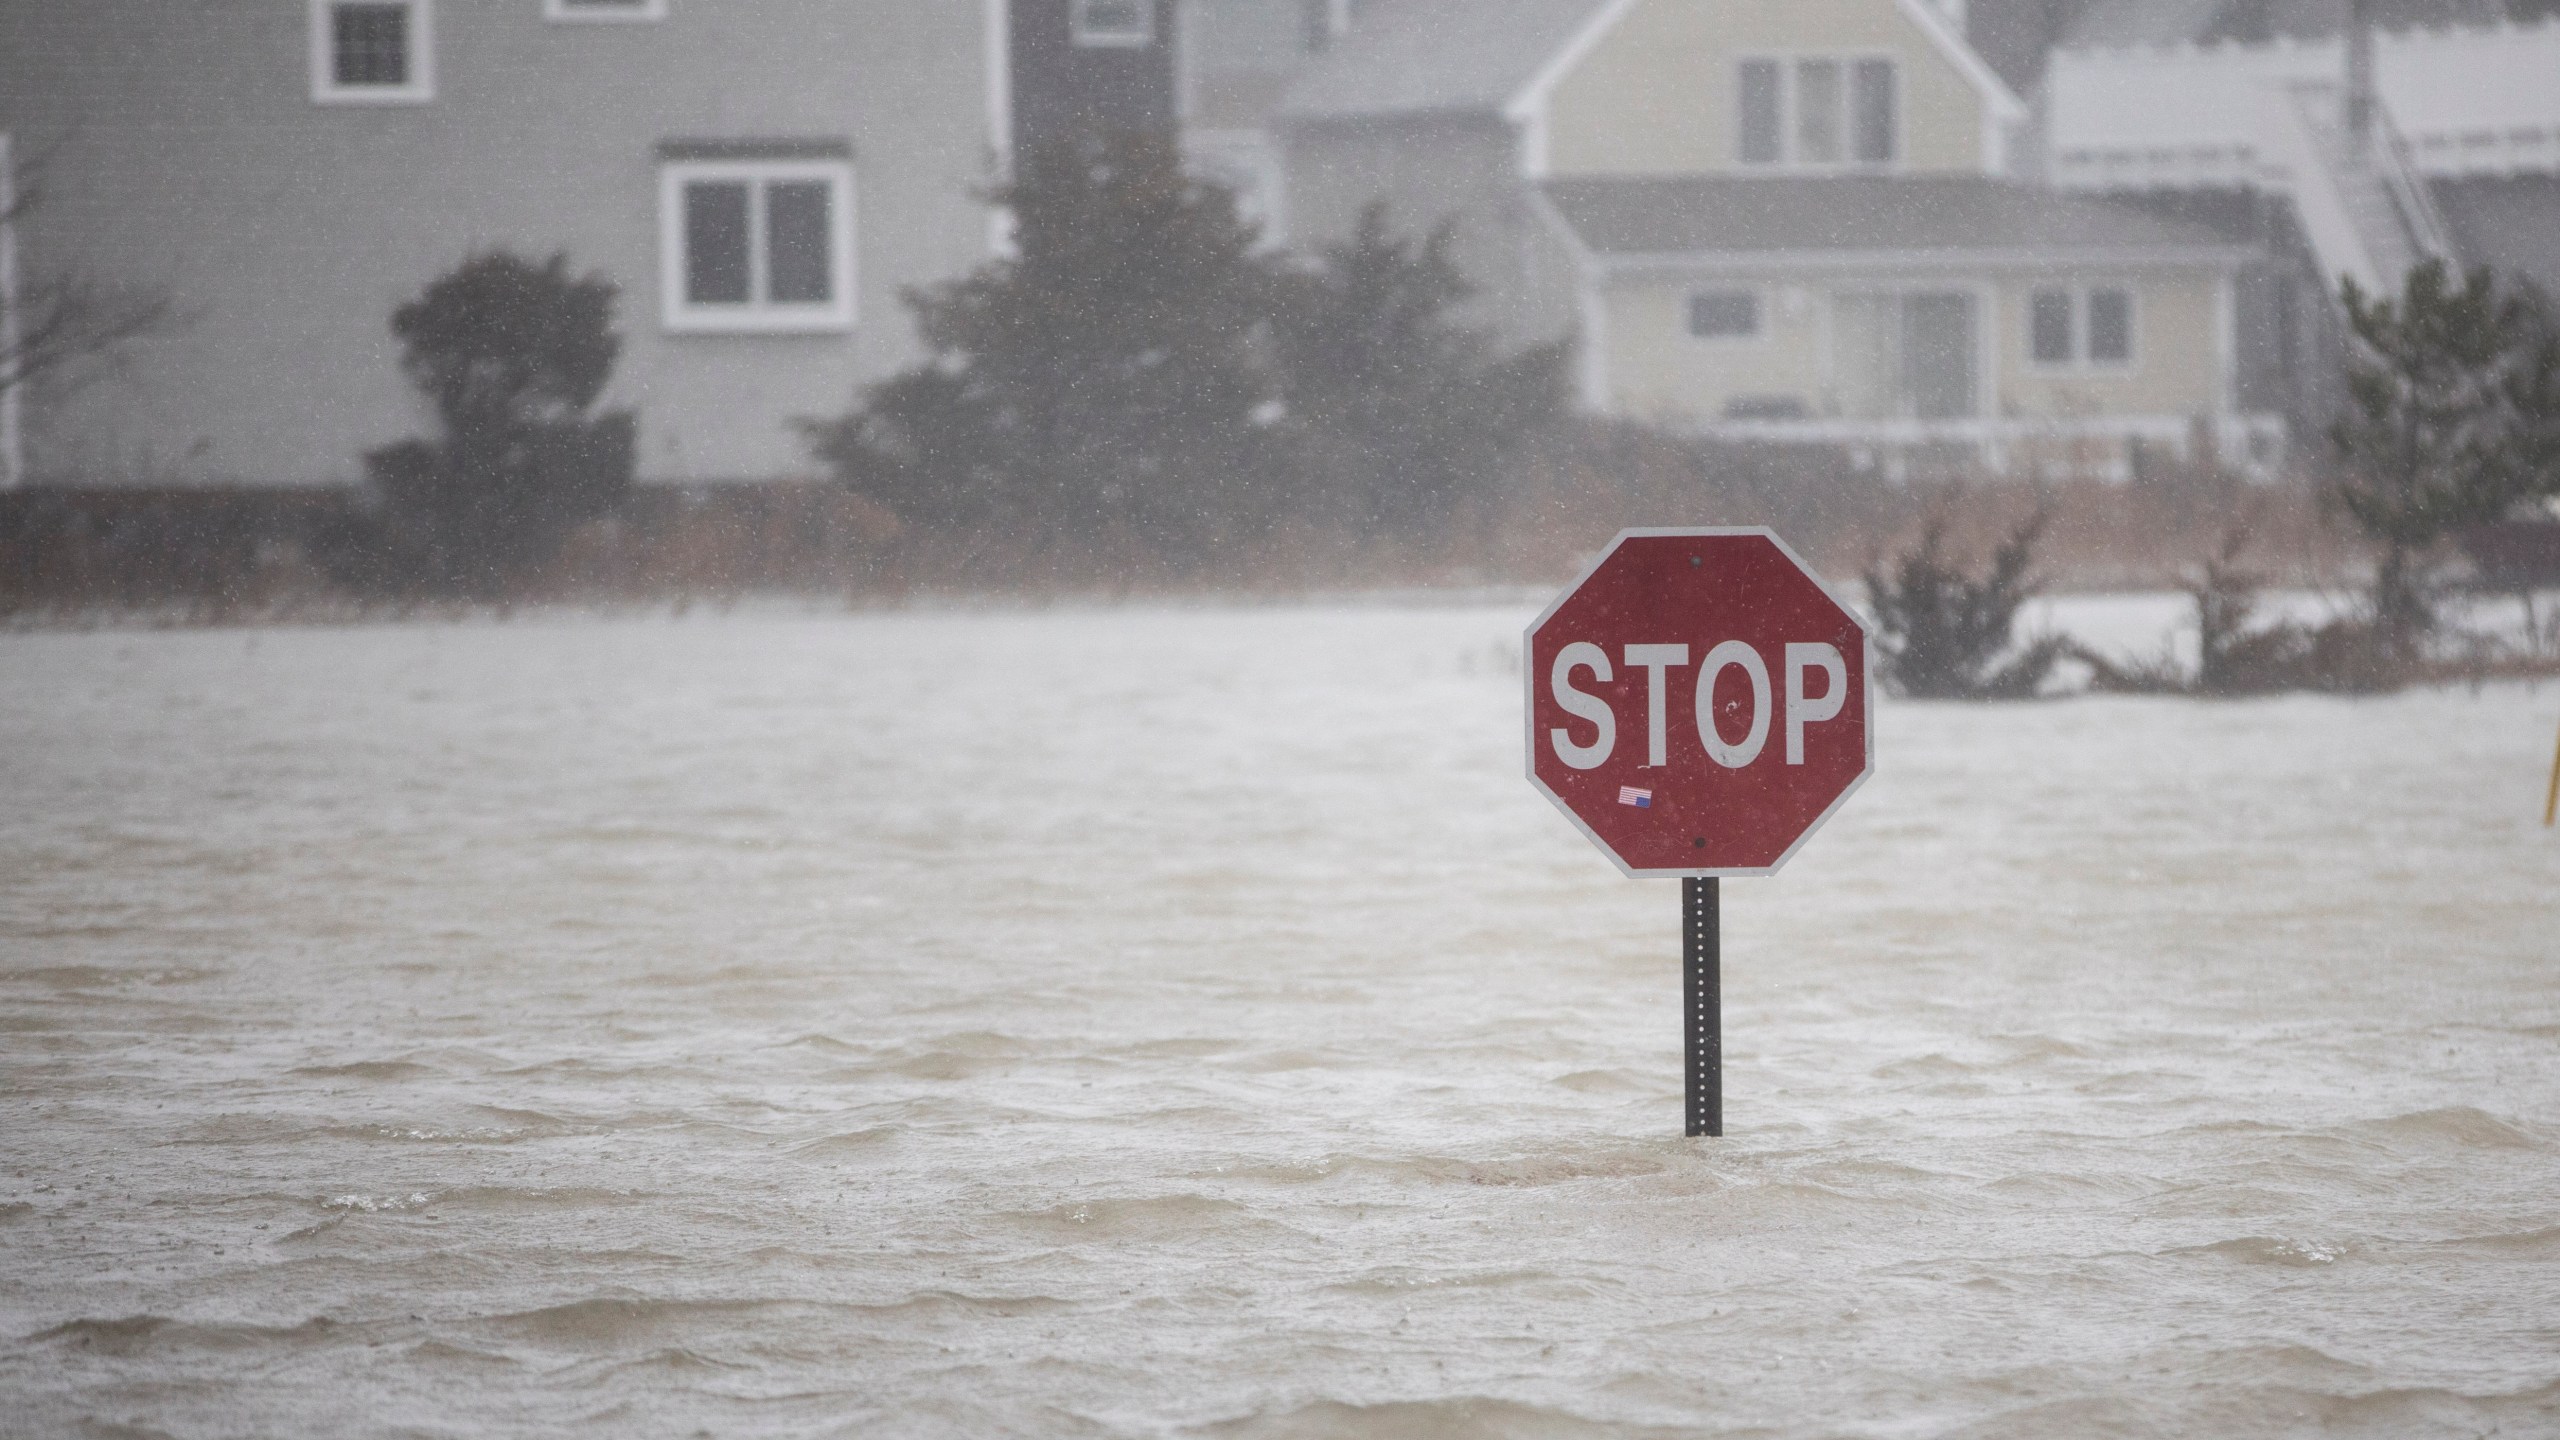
(1591, 305)
(13, 453)
(603, 12)
(1527, 107)
(999, 63)
(1956, 261)
(1790, 121)
(757, 316)
(2001, 104)
(1080, 37)
(2226, 344)
(421, 86)
(2080, 364)
(1530, 679)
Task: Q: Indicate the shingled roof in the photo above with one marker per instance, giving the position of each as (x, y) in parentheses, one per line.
(1856, 213)
(1436, 56)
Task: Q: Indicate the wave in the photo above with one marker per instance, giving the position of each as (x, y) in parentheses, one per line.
(2273, 1250)
(851, 1142)
(1477, 1417)
(148, 1334)
(2461, 1124)
(1523, 1172)
(366, 1070)
(1147, 1218)
(608, 1320)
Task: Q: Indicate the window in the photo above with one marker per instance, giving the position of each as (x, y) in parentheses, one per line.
(2049, 326)
(757, 244)
(2110, 327)
(2092, 326)
(1760, 102)
(1905, 356)
(372, 52)
(604, 9)
(1817, 111)
(1724, 314)
(1117, 24)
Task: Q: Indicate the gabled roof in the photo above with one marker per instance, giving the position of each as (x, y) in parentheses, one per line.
(1413, 57)
(1864, 214)
(1436, 56)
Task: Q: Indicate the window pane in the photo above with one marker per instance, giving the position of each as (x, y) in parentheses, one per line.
(715, 242)
(1759, 89)
(795, 229)
(1114, 22)
(2049, 326)
(2110, 326)
(1866, 355)
(1875, 111)
(369, 44)
(1937, 356)
(1818, 111)
(1724, 313)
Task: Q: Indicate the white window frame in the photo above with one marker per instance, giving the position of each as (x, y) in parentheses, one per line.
(1790, 124)
(569, 12)
(1083, 37)
(1758, 332)
(758, 316)
(2080, 361)
(421, 87)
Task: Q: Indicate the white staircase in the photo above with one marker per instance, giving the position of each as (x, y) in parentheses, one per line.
(2367, 211)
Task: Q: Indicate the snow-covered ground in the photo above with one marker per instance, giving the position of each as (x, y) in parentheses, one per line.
(1170, 1020)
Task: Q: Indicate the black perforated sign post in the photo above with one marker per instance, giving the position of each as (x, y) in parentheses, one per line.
(1702, 967)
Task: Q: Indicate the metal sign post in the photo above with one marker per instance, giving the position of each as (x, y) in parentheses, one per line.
(1702, 974)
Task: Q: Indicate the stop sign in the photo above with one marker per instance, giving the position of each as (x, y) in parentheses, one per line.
(1698, 702)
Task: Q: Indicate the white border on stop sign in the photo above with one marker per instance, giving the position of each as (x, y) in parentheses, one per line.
(1529, 691)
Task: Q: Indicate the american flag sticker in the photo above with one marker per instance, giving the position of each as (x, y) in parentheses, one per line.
(1630, 795)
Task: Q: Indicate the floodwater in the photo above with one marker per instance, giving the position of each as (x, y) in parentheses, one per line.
(1171, 1022)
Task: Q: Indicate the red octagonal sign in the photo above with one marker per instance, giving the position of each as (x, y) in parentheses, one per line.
(1698, 702)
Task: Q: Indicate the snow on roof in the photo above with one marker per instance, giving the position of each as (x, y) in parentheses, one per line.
(1408, 56)
(1867, 213)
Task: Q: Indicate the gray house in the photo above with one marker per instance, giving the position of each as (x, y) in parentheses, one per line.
(760, 180)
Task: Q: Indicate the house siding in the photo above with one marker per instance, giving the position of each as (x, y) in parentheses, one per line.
(181, 148)
(1066, 93)
(2178, 363)
(1656, 95)
(1462, 169)
(1657, 370)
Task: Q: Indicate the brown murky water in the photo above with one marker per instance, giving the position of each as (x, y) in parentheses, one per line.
(1189, 1022)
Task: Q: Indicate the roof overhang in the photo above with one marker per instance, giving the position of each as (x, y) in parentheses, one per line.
(1932, 261)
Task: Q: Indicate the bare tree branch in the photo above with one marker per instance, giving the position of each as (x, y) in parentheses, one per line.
(66, 327)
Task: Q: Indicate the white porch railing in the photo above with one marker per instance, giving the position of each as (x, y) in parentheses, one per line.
(2093, 446)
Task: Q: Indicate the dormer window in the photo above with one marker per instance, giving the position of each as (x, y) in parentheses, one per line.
(372, 52)
(1818, 112)
(1112, 24)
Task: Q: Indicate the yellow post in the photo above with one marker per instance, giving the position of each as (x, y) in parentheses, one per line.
(2551, 797)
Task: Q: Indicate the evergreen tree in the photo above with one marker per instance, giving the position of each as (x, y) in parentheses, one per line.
(2439, 432)
(1101, 382)
(1396, 412)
